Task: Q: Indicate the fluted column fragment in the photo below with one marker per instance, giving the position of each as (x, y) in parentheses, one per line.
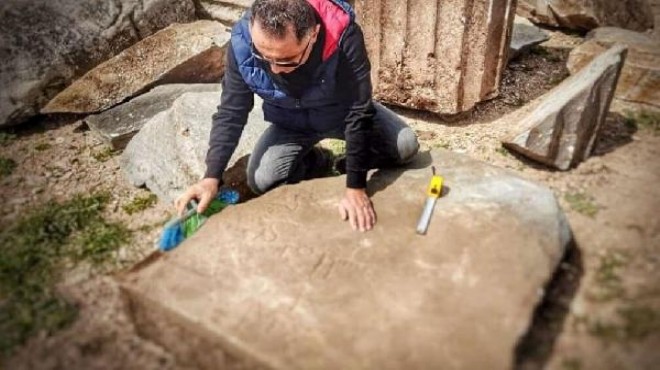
(442, 56)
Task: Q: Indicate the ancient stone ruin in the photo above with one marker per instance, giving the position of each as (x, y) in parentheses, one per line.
(443, 56)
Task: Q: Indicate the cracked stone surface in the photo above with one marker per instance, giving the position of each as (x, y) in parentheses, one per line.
(180, 53)
(280, 282)
(48, 44)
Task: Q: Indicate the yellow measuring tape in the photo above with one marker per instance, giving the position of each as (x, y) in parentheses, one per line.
(433, 192)
(435, 187)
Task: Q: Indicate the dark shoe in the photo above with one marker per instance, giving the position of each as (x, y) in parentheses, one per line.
(320, 162)
(339, 167)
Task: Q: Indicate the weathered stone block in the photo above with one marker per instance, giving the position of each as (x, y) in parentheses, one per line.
(639, 86)
(227, 11)
(282, 282)
(116, 126)
(525, 36)
(562, 129)
(442, 56)
(168, 153)
(181, 53)
(47, 44)
(589, 14)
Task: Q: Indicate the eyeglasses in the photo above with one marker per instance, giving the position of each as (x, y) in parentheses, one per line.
(258, 56)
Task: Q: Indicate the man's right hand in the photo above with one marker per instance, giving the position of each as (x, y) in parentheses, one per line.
(204, 191)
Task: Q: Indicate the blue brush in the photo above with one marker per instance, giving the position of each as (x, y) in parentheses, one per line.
(173, 230)
(179, 228)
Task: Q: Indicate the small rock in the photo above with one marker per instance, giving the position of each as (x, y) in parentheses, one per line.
(525, 35)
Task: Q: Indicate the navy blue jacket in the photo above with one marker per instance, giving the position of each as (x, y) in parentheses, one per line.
(338, 94)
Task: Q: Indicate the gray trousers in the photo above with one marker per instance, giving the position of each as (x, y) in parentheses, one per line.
(284, 156)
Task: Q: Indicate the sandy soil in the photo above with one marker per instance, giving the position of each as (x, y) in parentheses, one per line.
(580, 326)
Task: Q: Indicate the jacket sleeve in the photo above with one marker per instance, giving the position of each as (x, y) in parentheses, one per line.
(359, 120)
(236, 101)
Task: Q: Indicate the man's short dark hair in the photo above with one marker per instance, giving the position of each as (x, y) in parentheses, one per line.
(275, 16)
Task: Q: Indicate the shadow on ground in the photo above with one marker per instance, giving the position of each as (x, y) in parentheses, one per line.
(535, 347)
(617, 131)
(383, 178)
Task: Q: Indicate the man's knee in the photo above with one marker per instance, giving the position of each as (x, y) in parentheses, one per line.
(407, 145)
(262, 177)
(270, 170)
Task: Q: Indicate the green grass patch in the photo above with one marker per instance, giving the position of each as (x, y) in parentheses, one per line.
(503, 151)
(34, 252)
(639, 321)
(571, 364)
(140, 203)
(582, 203)
(42, 147)
(633, 323)
(7, 166)
(336, 146)
(608, 276)
(6, 138)
(104, 155)
(442, 144)
(643, 120)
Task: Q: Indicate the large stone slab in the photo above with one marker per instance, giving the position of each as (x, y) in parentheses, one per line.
(118, 125)
(589, 14)
(181, 53)
(525, 36)
(227, 11)
(639, 86)
(47, 44)
(168, 154)
(442, 56)
(562, 129)
(281, 282)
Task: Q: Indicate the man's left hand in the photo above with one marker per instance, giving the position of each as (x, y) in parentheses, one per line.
(356, 207)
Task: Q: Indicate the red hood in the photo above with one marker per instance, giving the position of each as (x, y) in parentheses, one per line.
(335, 20)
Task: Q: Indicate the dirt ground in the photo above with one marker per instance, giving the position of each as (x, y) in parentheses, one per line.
(602, 309)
